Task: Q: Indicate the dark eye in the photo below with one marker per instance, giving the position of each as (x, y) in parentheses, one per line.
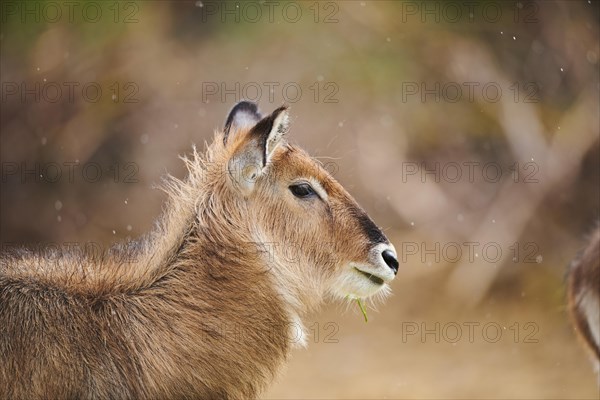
(302, 190)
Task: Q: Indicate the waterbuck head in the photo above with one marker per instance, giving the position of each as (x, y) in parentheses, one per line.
(320, 240)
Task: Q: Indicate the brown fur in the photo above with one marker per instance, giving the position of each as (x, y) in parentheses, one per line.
(584, 294)
(195, 309)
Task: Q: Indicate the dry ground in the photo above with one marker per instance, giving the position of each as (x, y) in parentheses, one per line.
(381, 359)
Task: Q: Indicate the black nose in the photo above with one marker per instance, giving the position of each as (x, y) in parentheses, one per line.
(390, 259)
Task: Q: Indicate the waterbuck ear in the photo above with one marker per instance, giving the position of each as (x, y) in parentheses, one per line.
(244, 114)
(250, 160)
(270, 131)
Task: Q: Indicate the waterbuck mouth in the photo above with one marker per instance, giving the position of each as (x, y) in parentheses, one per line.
(375, 279)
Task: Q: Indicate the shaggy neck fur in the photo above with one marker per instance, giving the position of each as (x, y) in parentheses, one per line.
(200, 313)
(205, 218)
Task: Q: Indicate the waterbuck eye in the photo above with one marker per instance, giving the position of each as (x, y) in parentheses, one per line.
(302, 190)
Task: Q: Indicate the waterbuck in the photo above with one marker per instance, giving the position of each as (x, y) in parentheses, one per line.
(205, 306)
(583, 291)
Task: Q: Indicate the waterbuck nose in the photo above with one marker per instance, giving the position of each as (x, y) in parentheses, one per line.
(390, 259)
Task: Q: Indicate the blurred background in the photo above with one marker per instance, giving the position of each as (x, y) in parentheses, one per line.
(468, 130)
